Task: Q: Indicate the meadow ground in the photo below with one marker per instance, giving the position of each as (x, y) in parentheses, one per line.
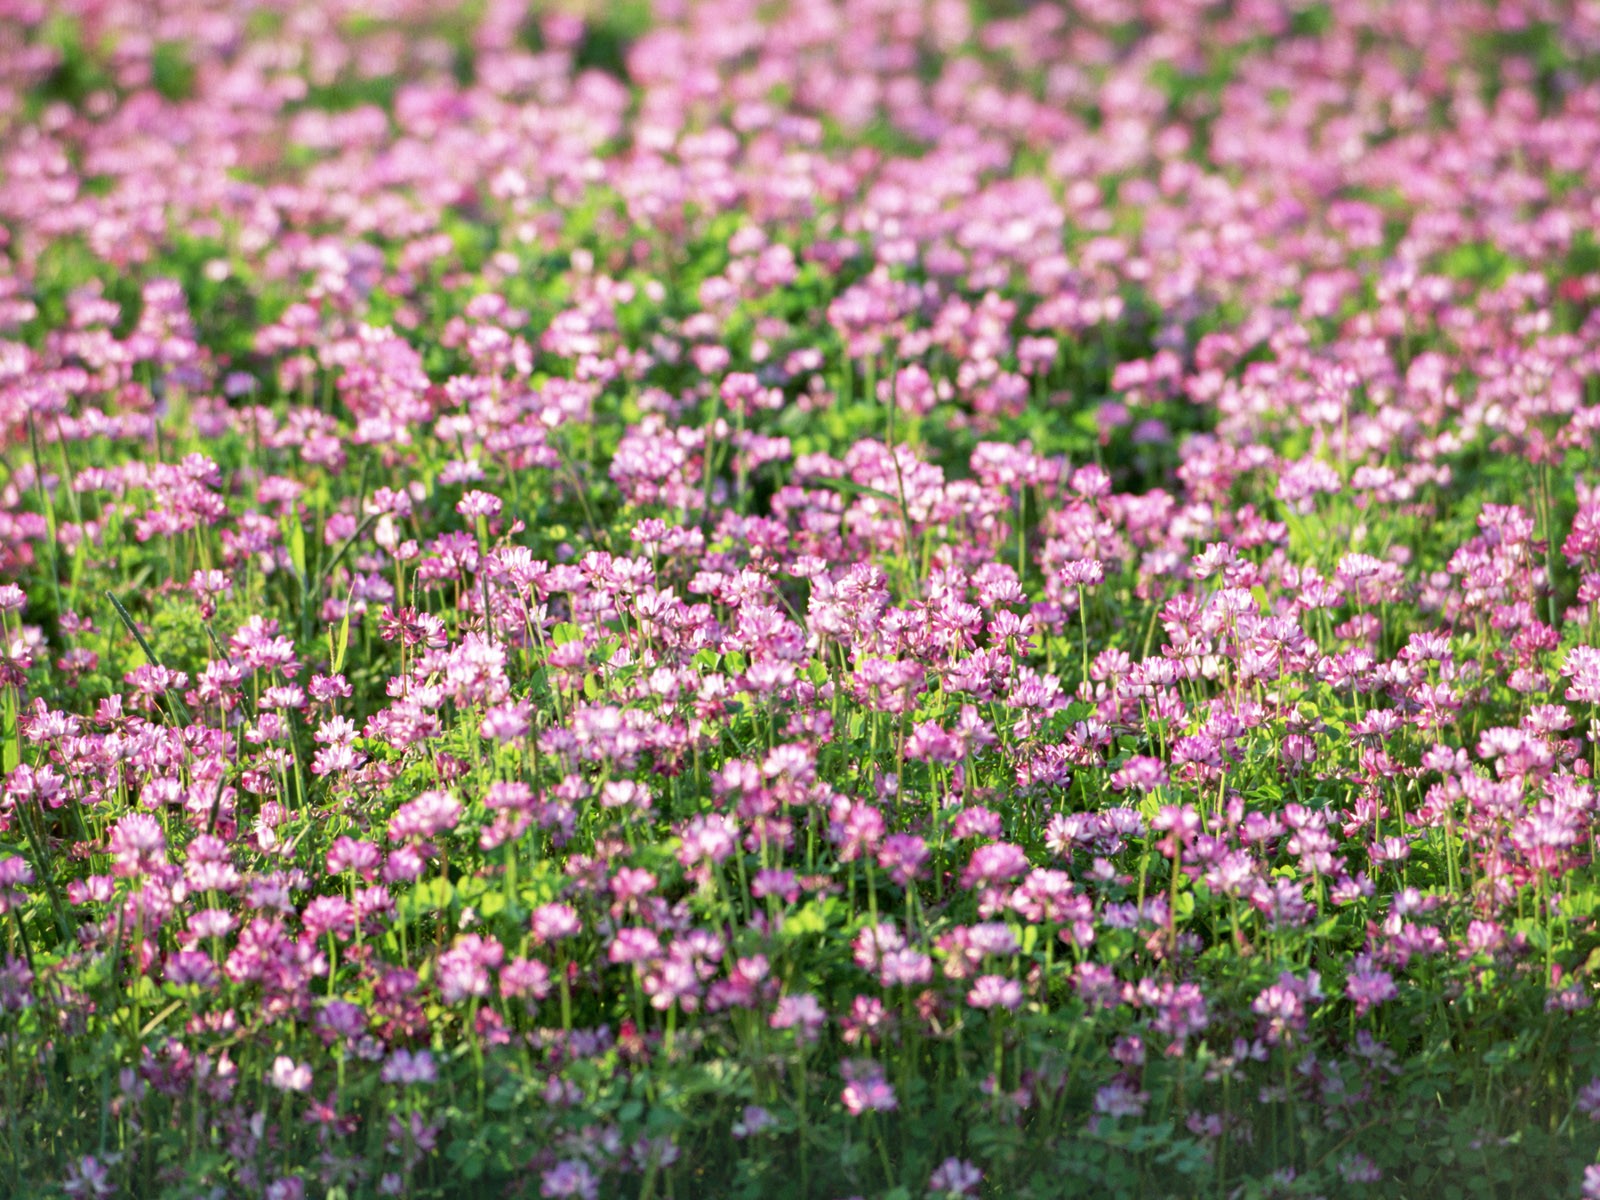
(880, 598)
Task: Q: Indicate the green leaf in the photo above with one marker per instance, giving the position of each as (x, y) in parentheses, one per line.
(804, 922)
(10, 751)
(431, 895)
(849, 487)
(342, 642)
(295, 539)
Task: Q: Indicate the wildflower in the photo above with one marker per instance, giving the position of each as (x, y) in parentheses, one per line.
(1140, 773)
(874, 941)
(995, 991)
(89, 1179)
(634, 945)
(507, 722)
(903, 856)
(1367, 986)
(800, 1012)
(191, 968)
(463, 971)
(772, 882)
(955, 1177)
(976, 821)
(15, 874)
(1588, 1099)
(289, 1076)
(866, 1089)
(753, 1120)
(349, 854)
(1282, 1005)
(525, 977)
(994, 863)
(554, 922)
(1582, 667)
(407, 1067)
(138, 845)
(478, 504)
(431, 813)
(904, 968)
(569, 1178)
(1358, 1168)
(1120, 1098)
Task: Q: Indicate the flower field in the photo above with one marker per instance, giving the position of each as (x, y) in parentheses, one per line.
(839, 598)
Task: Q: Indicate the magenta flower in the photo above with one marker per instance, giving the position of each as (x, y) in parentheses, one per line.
(866, 1089)
(570, 1178)
(801, 1013)
(475, 503)
(15, 874)
(407, 1067)
(431, 813)
(955, 1177)
(89, 1179)
(1120, 1098)
(507, 722)
(463, 971)
(138, 845)
(634, 945)
(1368, 986)
(994, 863)
(995, 991)
(752, 1120)
(553, 922)
(525, 977)
(289, 1076)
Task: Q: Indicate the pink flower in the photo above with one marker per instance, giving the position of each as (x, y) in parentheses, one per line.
(507, 722)
(89, 1179)
(1588, 1099)
(15, 874)
(478, 504)
(407, 1067)
(555, 921)
(866, 1089)
(1366, 986)
(903, 856)
(994, 863)
(1120, 1098)
(525, 977)
(463, 971)
(754, 1119)
(138, 845)
(572, 1178)
(995, 991)
(634, 945)
(955, 1177)
(348, 854)
(289, 1076)
(905, 968)
(430, 813)
(799, 1012)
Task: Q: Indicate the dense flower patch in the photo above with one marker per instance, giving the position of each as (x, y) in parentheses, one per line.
(841, 598)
